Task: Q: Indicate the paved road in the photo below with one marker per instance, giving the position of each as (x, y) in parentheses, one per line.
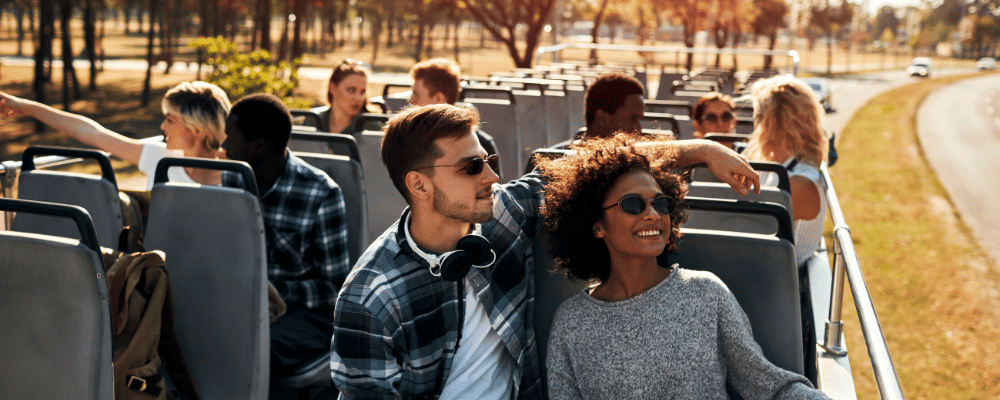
(959, 129)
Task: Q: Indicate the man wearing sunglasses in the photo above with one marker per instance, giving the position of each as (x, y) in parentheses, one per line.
(400, 331)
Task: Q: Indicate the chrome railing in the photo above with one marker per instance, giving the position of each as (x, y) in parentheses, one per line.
(845, 264)
(557, 49)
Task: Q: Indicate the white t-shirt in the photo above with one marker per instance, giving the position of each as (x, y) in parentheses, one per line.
(151, 155)
(807, 232)
(482, 367)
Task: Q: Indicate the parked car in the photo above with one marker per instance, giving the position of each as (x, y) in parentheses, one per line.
(986, 64)
(920, 66)
(821, 87)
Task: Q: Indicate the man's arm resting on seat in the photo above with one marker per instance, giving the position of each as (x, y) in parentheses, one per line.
(725, 164)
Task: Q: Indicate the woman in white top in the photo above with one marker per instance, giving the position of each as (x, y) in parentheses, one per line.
(193, 126)
(787, 130)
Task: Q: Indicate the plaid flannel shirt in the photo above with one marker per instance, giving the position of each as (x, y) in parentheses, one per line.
(396, 326)
(306, 234)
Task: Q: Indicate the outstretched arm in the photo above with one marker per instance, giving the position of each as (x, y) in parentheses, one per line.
(725, 164)
(76, 126)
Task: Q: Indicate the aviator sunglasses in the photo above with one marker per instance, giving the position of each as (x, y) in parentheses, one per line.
(726, 117)
(475, 165)
(635, 205)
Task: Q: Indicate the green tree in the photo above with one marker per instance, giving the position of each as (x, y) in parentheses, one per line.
(240, 74)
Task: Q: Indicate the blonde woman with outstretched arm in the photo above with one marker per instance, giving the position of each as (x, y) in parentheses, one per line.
(193, 126)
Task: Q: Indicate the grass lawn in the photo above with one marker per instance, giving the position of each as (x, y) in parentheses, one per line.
(934, 289)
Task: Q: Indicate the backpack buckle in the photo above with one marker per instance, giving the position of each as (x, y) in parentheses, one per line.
(136, 383)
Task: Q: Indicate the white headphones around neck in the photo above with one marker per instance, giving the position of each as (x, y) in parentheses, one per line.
(472, 250)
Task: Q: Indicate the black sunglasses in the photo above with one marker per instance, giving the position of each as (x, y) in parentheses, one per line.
(635, 205)
(475, 165)
(726, 117)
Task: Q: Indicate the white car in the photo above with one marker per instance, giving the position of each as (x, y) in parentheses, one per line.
(986, 64)
(920, 66)
(821, 87)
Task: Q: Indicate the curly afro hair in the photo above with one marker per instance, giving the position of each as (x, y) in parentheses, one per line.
(577, 188)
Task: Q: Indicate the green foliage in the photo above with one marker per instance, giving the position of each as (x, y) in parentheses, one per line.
(240, 74)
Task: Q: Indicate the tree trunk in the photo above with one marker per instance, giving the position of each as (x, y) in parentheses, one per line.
(44, 49)
(264, 23)
(596, 30)
(69, 87)
(376, 33)
(457, 49)
(90, 41)
(421, 32)
(689, 43)
(147, 85)
(829, 54)
(300, 17)
(283, 44)
(772, 37)
(737, 37)
(19, 14)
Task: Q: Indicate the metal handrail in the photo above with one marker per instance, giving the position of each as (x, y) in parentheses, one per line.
(556, 49)
(9, 171)
(846, 264)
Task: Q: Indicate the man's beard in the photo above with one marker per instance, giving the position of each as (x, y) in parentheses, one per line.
(460, 212)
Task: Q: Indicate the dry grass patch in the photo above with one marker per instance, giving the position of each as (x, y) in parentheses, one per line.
(935, 290)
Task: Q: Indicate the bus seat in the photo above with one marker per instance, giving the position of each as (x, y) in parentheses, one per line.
(740, 216)
(744, 125)
(660, 121)
(760, 271)
(557, 111)
(309, 118)
(699, 173)
(216, 256)
(324, 143)
(367, 122)
(663, 91)
(552, 287)
(55, 311)
(349, 176)
(396, 101)
(716, 190)
(96, 194)
(499, 118)
(385, 204)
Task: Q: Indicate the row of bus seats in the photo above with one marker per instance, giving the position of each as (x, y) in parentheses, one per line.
(746, 241)
(214, 241)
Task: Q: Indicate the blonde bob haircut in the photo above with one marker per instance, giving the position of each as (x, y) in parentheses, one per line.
(786, 115)
(202, 107)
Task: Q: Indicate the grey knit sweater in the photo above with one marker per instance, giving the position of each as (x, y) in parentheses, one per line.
(682, 339)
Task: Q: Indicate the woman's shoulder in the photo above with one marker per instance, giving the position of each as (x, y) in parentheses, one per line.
(701, 280)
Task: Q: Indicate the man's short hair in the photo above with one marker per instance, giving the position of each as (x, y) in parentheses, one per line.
(702, 104)
(608, 93)
(440, 75)
(263, 116)
(410, 135)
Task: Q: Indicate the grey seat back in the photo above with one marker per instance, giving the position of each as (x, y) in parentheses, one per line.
(57, 339)
(750, 223)
(324, 143)
(760, 271)
(552, 287)
(214, 240)
(396, 101)
(666, 79)
(97, 194)
(499, 118)
(309, 118)
(557, 114)
(349, 176)
(385, 204)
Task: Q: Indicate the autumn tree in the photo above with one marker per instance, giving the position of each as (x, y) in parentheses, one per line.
(829, 19)
(691, 16)
(501, 18)
(769, 20)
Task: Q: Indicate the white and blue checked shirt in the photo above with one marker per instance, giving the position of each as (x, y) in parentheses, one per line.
(396, 326)
(306, 234)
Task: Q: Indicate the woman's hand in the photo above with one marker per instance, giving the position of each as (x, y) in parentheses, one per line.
(11, 106)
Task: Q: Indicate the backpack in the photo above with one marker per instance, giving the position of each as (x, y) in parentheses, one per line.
(145, 334)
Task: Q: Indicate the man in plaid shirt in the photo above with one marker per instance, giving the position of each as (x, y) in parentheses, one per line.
(400, 331)
(305, 223)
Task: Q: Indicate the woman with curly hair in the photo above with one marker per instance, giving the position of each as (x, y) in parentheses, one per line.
(645, 330)
(788, 130)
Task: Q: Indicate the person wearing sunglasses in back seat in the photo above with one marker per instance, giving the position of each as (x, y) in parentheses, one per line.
(440, 305)
(713, 113)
